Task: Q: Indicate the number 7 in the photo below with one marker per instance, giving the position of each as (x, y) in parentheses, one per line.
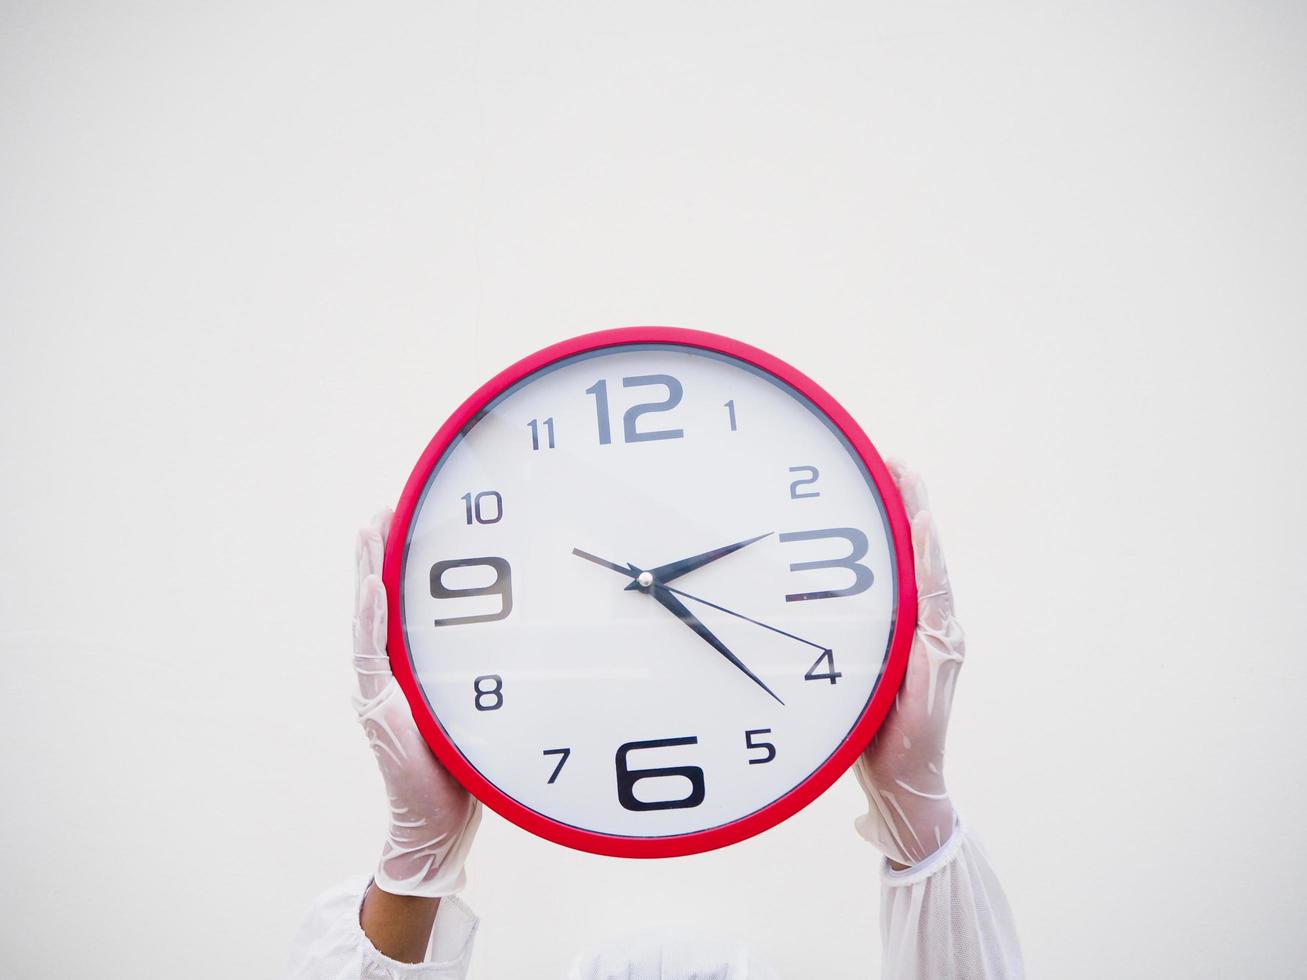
(564, 753)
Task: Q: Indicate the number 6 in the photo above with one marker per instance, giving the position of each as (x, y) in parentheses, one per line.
(627, 777)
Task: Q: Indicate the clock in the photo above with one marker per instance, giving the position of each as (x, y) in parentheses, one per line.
(650, 592)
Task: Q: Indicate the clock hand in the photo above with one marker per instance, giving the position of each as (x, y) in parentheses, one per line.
(630, 571)
(747, 619)
(606, 564)
(665, 573)
(665, 598)
(676, 606)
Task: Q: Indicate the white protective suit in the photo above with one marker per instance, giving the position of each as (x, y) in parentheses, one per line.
(942, 919)
(943, 915)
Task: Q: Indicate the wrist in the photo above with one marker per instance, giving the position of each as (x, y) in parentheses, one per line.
(943, 827)
(895, 874)
(426, 857)
(906, 826)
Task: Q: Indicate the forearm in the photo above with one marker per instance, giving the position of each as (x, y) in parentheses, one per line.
(330, 942)
(398, 925)
(948, 917)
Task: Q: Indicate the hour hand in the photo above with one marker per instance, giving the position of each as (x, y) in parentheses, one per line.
(621, 570)
(673, 570)
(675, 605)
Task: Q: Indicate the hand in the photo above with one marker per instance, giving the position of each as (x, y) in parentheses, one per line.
(432, 818)
(677, 607)
(909, 814)
(646, 582)
(674, 570)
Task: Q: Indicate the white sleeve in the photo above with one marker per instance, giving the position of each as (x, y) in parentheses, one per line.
(330, 944)
(947, 918)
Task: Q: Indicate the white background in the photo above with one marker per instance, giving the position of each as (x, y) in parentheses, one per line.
(252, 254)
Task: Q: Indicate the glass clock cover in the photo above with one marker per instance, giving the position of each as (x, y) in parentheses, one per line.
(651, 592)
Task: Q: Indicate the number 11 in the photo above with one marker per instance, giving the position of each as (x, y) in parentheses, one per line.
(534, 426)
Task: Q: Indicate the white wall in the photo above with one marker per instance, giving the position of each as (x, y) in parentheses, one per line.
(252, 254)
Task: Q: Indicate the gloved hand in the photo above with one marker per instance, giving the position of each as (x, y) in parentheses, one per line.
(909, 815)
(432, 818)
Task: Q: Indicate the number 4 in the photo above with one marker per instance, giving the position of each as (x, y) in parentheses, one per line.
(830, 674)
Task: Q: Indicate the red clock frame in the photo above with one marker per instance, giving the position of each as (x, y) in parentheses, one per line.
(754, 823)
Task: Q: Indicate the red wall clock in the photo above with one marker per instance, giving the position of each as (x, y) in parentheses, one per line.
(651, 592)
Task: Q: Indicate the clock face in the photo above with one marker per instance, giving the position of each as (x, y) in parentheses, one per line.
(645, 592)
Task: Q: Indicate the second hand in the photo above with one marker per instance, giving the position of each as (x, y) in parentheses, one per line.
(747, 619)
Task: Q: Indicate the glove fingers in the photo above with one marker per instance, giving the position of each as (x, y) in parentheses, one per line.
(371, 665)
(370, 550)
(911, 488)
(381, 524)
(934, 593)
(932, 572)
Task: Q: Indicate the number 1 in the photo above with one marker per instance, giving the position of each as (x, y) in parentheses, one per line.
(600, 390)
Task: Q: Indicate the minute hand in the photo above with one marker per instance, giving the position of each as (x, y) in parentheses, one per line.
(672, 570)
(670, 602)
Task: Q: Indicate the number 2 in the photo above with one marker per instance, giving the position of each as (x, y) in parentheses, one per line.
(794, 487)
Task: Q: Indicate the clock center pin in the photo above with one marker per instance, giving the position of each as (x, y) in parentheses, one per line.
(644, 579)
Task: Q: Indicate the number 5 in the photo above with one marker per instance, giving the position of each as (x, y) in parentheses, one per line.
(765, 746)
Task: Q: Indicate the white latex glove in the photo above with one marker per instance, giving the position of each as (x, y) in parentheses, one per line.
(909, 815)
(432, 818)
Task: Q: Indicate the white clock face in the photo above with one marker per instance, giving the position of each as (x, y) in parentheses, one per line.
(569, 664)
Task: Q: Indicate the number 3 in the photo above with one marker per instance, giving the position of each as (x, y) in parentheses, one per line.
(862, 577)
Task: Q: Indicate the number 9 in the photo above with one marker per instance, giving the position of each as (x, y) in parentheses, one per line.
(502, 586)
